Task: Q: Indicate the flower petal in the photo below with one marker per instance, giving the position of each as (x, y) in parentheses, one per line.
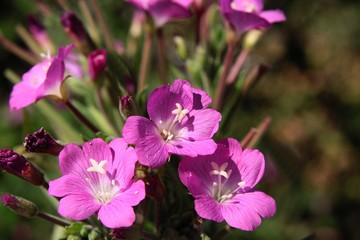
(78, 206)
(273, 16)
(152, 151)
(136, 128)
(67, 184)
(200, 124)
(72, 160)
(244, 212)
(192, 148)
(22, 95)
(208, 208)
(150, 147)
(162, 101)
(243, 21)
(251, 165)
(98, 150)
(119, 212)
(201, 99)
(54, 79)
(164, 11)
(123, 161)
(234, 147)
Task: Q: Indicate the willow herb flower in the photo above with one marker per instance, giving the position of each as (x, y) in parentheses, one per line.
(223, 185)
(45, 79)
(180, 123)
(245, 15)
(163, 11)
(99, 178)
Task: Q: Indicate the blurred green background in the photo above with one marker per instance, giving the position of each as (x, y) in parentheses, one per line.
(312, 93)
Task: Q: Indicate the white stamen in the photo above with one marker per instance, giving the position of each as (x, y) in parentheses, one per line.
(113, 182)
(97, 167)
(241, 184)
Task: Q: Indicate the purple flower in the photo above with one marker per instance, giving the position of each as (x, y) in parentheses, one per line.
(97, 63)
(99, 178)
(179, 124)
(245, 15)
(222, 185)
(42, 80)
(163, 11)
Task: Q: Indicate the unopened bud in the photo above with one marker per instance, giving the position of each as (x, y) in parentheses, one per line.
(42, 142)
(19, 205)
(180, 47)
(126, 106)
(97, 63)
(77, 33)
(17, 165)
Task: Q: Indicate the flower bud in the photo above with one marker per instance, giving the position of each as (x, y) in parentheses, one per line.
(127, 106)
(77, 33)
(42, 142)
(97, 63)
(17, 165)
(19, 205)
(180, 47)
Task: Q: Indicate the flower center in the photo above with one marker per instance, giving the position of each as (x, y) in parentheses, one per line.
(168, 132)
(220, 191)
(103, 187)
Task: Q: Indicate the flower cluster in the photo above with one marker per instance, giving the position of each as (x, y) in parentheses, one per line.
(124, 161)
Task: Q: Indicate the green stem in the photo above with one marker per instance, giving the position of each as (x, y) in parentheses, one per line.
(235, 69)
(144, 60)
(100, 103)
(21, 53)
(51, 218)
(81, 117)
(99, 16)
(161, 47)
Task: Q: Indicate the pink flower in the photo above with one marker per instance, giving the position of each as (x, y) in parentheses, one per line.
(42, 80)
(180, 123)
(223, 185)
(163, 11)
(245, 15)
(99, 178)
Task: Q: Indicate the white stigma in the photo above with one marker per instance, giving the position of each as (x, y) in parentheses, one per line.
(179, 112)
(220, 170)
(98, 167)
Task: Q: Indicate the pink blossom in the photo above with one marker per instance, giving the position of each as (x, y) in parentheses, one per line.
(223, 185)
(180, 123)
(42, 80)
(245, 15)
(163, 11)
(99, 178)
